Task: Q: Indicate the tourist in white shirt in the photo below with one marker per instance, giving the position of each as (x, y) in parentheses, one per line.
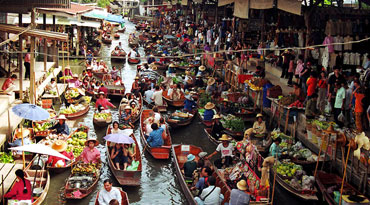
(211, 195)
(157, 96)
(109, 193)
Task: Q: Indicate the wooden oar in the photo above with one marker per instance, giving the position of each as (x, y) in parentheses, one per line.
(344, 175)
(273, 186)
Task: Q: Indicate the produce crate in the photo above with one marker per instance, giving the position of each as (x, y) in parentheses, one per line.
(46, 103)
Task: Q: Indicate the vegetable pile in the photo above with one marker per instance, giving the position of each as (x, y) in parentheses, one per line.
(72, 93)
(204, 98)
(38, 127)
(6, 157)
(76, 143)
(295, 176)
(233, 123)
(85, 169)
(103, 116)
(287, 100)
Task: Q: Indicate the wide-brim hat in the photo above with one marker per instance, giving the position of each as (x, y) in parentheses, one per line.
(81, 91)
(216, 116)
(202, 154)
(25, 133)
(137, 78)
(191, 157)
(259, 115)
(59, 145)
(127, 107)
(225, 100)
(101, 93)
(202, 68)
(187, 72)
(67, 67)
(248, 132)
(224, 137)
(61, 117)
(96, 143)
(172, 65)
(154, 67)
(209, 106)
(242, 185)
(211, 81)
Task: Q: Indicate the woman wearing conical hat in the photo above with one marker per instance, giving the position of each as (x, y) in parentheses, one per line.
(91, 154)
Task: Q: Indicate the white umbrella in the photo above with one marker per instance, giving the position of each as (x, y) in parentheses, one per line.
(39, 149)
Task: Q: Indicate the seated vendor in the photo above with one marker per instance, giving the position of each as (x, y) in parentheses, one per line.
(21, 190)
(189, 103)
(208, 113)
(52, 86)
(189, 166)
(225, 107)
(117, 155)
(217, 127)
(259, 127)
(91, 154)
(18, 139)
(226, 149)
(275, 149)
(61, 127)
(115, 129)
(61, 147)
(125, 119)
(155, 137)
(148, 125)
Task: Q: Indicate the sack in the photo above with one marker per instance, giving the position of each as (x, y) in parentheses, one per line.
(341, 117)
(328, 108)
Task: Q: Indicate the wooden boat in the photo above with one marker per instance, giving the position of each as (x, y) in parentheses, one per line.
(134, 60)
(179, 157)
(121, 56)
(258, 142)
(325, 181)
(174, 103)
(309, 195)
(116, 36)
(236, 135)
(162, 108)
(107, 40)
(121, 30)
(137, 117)
(207, 123)
(68, 191)
(179, 123)
(116, 90)
(100, 123)
(99, 74)
(133, 42)
(42, 181)
(162, 152)
(125, 178)
(124, 196)
(208, 132)
(78, 114)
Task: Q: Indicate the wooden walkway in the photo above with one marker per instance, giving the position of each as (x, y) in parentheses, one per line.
(8, 172)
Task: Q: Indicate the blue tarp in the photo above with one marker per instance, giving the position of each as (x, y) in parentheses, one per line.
(96, 14)
(114, 18)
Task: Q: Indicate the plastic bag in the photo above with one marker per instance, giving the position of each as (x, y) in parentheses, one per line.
(328, 108)
(341, 117)
(133, 167)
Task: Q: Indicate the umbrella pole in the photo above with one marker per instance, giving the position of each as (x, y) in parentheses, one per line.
(344, 175)
(23, 157)
(318, 160)
(34, 180)
(273, 185)
(2, 188)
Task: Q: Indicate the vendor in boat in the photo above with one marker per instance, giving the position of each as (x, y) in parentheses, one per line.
(259, 126)
(171, 70)
(125, 120)
(188, 81)
(115, 129)
(205, 173)
(151, 59)
(225, 107)
(88, 72)
(118, 82)
(275, 149)
(240, 195)
(102, 110)
(117, 155)
(189, 103)
(208, 113)
(76, 82)
(114, 72)
(157, 96)
(157, 116)
(52, 86)
(107, 80)
(201, 70)
(119, 46)
(148, 125)
(134, 108)
(18, 138)
(211, 87)
(211, 194)
(135, 86)
(21, 189)
(189, 166)
(103, 101)
(217, 127)
(176, 93)
(109, 193)
(155, 138)
(148, 94)
(226, 149)
(61, 147)
(61, 127)
(199, 83)
(91, 154)
(67, 71)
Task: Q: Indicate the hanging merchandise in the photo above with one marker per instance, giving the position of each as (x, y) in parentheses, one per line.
(224, 2)
(338, 39)
(291, 6)
(241, 8)
(261, 4)
(325, 58)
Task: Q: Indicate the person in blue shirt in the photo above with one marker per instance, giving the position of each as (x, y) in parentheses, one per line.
(275, 149)
(189, 103)
(61, 127)
(208, 113)
(155, 137)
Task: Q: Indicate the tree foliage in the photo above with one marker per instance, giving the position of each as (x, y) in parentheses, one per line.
(104, 3)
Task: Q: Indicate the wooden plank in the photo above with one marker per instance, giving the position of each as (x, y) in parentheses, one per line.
(5, 170)
(9, 180)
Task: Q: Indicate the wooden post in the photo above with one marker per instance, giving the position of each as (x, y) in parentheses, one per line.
(20, 59)
(344, 176)
(45, 47)
(78, 41)
(318, 160)
(33, 62)
(56, 53)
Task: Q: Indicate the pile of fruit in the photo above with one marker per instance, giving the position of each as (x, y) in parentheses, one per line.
(76, 143)
(323, 125)
(299, 152)
(85, 169)
(288, 169)
(68, 77)
(297, 104)
(253, 86)
(287, 100)
(72, 109)
(51, 138)
(258, 82)
(295, 176)
(6, 157)
(103, 116)
(72, 93)
(38, 127)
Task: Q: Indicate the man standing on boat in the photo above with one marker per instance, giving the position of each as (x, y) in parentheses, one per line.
(157, 96)
(109, 193)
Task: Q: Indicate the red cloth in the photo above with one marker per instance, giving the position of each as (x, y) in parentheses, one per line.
(103, 89)
(103, 102)
(311, 86)
(89, 155)
(7, 84)
(322, 84)
(17, 191)
(243, 78)
(358, 103)
(54, 160)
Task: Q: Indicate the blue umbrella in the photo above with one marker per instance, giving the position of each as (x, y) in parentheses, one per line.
(119, 138)
(31, 112)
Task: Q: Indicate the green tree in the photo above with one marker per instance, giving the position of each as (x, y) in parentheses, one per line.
(104, 3)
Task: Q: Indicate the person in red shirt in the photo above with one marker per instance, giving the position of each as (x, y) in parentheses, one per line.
(103, 102)
(311, 85)
(21, 189)
(103, 89)
(60, 146)
(359, 107)
(27, 64)
(322, 86)
(9, 86)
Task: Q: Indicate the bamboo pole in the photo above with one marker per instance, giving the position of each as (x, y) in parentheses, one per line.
(344, 175)
(318, 160)
(273, 185)
(23, 157)
(2, 188)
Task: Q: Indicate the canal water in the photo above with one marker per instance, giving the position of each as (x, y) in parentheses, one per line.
(158, 182)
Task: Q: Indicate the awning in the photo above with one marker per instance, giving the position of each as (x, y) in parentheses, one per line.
(114, 18)
(96, 14)
(34, 32)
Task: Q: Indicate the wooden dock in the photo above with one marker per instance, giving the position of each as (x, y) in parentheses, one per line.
(7, 171)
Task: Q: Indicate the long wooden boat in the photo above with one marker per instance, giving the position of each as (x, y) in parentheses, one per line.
(78, 114)
(137, 117)
(179, 157)
(162, 108)
(42, 181)
(134, 60)
(208, 132)
(325, 181)
(99, 74)
(121, 56)
(125, 178)
(107, 40)
(174, 103)
(100, 123)
(68, 191)
(162, 152)
(207, 123)
(180, 123)
(309, 195)
(121, 30)
(124, 196)
(116, 90)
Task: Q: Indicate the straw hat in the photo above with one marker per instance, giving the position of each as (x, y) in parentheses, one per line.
(75, 76)
(248, 132)
(91, 139)
(59, 145)
(137, 78)
(25, 133)
(259, 115)
(225, 100)
(127, 107)
(209, 106)
(154, 67)
(216, 116)
(68, 67)
(202, 68)
(224, 137)
(172, 65)
(191, 157)
(187, 72)
(242, 185)
(158, 41)
(211, 81)
(124, 100)
(62, 117)
(81, 91)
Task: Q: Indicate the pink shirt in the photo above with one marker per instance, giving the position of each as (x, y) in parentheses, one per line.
(329, 40)
(299, 67)
(27, 58)
(89, 155)
(103, 102)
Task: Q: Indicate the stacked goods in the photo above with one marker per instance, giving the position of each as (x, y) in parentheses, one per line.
(204, 98)
(253, 86)
(72, 93)
(274, 92)
(297, 104)
(51, 138)
(68, 77)
(288, 169)
(44, 127)
(103, 116)
(299, 152)
(322, 125)
(287, 100)
(75, 108)
(6, 157)
(85, 169)
(233, 123)
(286, 141)
(258, 82)
(76, 143)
